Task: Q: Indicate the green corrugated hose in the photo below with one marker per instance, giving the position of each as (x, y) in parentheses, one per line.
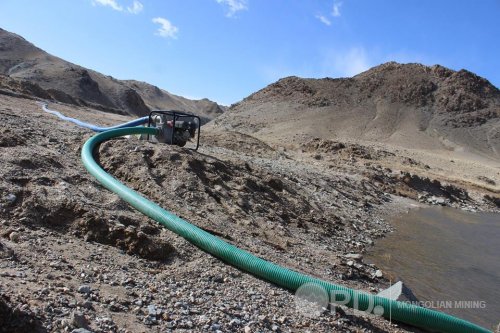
(399, 311)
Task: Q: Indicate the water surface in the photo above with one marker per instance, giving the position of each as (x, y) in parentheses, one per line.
(449, 258)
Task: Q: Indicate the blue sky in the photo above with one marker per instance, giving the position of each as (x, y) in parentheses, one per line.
(226, 49)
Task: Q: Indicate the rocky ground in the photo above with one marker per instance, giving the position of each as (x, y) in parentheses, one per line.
(74, 257)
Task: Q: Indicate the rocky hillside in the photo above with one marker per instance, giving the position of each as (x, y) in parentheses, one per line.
(30, 71)
(159, 99)
(410, 105)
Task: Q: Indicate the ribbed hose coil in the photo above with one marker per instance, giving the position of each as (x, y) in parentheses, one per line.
(398, 311)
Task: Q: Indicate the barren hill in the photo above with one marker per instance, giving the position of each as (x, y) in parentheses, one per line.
(159, 99)
(409, 105)
(28, 70)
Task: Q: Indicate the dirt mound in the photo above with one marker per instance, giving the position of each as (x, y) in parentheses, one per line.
(40, 188)
(34, 72)
(237, 141)
(411, 105)
(342, 150)
(243, 194)
(402, 183)
(420, 188)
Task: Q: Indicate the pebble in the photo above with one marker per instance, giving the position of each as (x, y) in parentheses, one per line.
(235, 322)
(11, 198)
(218, 279)
(247, 329)
(65, 323)
(14, 236)
(355, 256)
(152, 310)
(84, 289)
(79, 320)
(81, 330)
(87, 305)
(379, 273)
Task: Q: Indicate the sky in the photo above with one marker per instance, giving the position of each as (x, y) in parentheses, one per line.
(225, 50)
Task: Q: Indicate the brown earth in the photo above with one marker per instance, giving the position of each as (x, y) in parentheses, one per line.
(72, 254)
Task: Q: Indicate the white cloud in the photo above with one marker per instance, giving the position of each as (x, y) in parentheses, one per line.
(136, 7)
(335, 13)
(234, 6)
(109, 3)
(346, 63)
(324, 20)
(166, 29)
(336, 9)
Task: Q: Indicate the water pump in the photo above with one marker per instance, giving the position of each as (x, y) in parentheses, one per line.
(175, 127)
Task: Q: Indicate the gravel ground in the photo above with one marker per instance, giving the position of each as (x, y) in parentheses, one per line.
(76, 258)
